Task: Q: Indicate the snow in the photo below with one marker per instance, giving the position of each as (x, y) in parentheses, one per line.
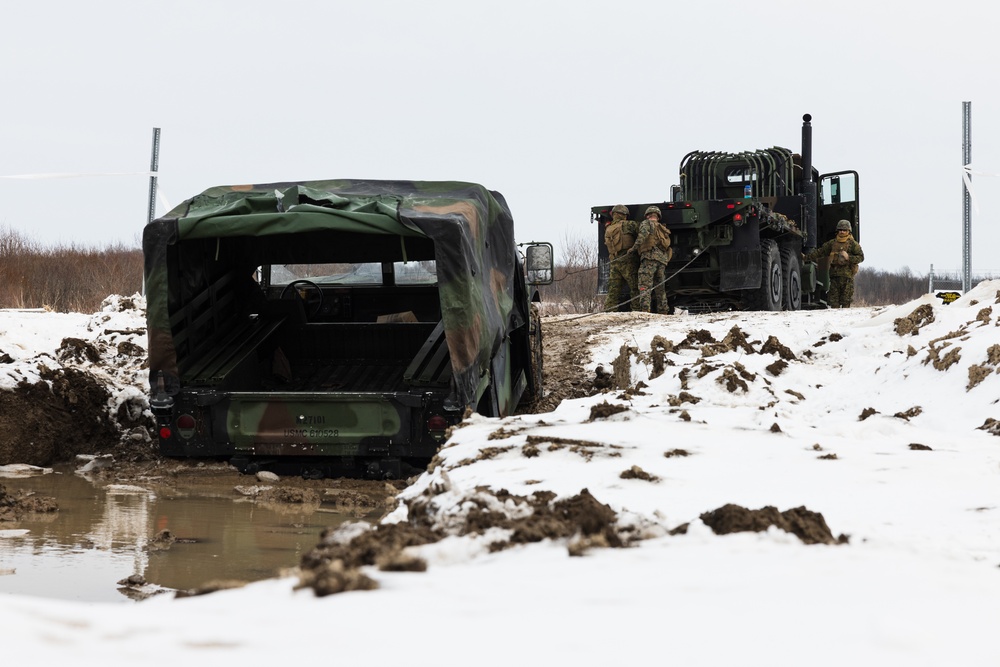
(33, 337)
(917, 581)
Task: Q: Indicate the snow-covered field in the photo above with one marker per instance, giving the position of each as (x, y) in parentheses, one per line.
(876, 420)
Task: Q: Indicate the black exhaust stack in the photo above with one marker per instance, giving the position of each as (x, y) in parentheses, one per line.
(809, 186)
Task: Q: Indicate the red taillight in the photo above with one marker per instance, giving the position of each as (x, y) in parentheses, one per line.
(737, 217)
(436, 426)
(437, 423)
(186, 426)
(730, 205)
(165, 433)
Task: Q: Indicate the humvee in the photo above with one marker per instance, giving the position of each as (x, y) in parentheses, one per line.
(337, 327)
(739, 224)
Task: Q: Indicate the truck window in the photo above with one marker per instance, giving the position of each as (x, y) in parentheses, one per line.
(365, 273)
(741, 175)
(839, 188)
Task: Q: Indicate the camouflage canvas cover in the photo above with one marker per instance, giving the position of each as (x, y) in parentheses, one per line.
(470, 226)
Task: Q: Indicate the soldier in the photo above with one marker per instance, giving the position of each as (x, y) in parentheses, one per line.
(845, 254)
(653, 247)
(619, 236)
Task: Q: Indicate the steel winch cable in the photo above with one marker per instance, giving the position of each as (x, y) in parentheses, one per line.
(697, 253)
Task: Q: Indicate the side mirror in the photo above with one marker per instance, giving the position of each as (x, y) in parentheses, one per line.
(538, 264)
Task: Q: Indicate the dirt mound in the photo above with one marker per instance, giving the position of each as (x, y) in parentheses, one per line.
(55, 419)
(912, 323)
(605, 410)
(774, 346)
(808, 526)
(333, 566)
(85, 397)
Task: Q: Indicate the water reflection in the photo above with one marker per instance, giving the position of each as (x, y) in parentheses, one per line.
(103, 534)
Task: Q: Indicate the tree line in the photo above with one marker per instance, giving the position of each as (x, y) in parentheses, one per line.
(64, 278)
(74, 278)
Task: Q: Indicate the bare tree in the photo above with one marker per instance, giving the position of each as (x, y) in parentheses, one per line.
(64, 278)
(875, 287)
(575, 286)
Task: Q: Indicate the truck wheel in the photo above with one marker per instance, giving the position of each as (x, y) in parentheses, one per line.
(769, 295)
(791, 269)
(535, 343)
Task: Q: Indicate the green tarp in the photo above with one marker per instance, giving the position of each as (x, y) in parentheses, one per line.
(470, 226)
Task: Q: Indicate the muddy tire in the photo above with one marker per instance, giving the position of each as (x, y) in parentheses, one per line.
(770, 295)
(791, 271)
(535, 341)
(534, 390)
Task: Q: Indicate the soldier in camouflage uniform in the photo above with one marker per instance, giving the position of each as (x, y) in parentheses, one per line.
(845, 254)
(652, 245)
(619, 236)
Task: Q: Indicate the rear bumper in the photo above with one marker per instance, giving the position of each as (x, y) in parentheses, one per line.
(318, 424)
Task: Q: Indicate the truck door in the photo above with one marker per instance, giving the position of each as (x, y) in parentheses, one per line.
(838, 200)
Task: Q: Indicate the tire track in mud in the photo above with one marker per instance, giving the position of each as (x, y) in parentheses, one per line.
(566, 353)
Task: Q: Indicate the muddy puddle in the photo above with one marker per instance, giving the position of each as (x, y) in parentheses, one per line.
(103, 534)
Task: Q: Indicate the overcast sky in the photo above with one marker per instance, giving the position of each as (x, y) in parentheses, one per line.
(558, 105)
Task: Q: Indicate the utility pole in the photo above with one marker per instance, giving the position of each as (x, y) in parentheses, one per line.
(154, 166)
(966, 197)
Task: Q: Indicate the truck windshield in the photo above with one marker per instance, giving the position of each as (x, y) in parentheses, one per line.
(366, 273)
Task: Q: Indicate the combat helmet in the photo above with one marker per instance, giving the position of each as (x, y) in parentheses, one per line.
(620, 208)
(844, 225)
(653, 209)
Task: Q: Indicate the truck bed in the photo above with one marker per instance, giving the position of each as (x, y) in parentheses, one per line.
(354, 376)
(276, 356)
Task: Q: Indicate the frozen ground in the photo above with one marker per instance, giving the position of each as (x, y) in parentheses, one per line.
(869, 433)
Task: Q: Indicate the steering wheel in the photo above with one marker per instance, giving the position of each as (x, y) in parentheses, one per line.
(313, 301)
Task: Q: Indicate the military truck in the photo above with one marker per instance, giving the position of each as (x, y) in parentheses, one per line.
(337, 327)
(739, 224)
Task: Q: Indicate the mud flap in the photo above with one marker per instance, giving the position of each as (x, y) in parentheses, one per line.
(740, 262)
(739, 269)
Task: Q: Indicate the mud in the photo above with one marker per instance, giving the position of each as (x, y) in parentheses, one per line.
(912, 323)
(906, 415)
(635, 472)
(943, 363)
(777, 367)
(605, 410)
(14, 505)
(808, 526)
(565, 360)
(734, 340)
(45, 424)
(334, 565)
(979, 372)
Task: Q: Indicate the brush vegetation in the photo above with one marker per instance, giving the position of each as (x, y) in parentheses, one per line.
(64, 278)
